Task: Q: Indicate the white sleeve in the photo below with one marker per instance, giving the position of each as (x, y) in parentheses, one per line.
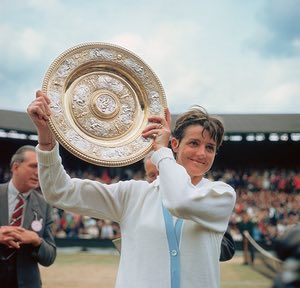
(209, 204)
(87, 197)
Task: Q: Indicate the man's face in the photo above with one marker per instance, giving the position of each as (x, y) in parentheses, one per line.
(25, 174)
(151, 171)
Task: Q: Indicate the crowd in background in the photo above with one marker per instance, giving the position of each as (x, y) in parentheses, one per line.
(268, 201)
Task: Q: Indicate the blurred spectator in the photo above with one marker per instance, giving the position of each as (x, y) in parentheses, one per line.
(246, 224)
(107, 231)
(288, 250)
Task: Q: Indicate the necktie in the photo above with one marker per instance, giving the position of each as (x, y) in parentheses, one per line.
(16, 218)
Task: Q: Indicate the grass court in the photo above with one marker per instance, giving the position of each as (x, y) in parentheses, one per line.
(93, 270)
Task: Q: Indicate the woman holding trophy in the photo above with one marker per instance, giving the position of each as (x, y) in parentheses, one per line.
(171, 228)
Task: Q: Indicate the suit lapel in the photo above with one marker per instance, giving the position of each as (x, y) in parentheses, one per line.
(4, 204)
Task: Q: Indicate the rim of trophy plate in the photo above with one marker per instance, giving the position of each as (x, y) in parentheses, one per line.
(104, 163)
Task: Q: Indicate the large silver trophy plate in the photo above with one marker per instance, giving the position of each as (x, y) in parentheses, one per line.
(101, 97)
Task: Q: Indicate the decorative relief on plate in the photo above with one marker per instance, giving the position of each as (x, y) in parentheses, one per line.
(106, 105)
(102, 105)
(101, 96)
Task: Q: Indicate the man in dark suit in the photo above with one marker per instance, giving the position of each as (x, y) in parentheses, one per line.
(26, 239)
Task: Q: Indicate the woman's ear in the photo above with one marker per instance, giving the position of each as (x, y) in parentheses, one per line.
(174, 144)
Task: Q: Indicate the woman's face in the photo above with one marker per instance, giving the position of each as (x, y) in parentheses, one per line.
(195, 152)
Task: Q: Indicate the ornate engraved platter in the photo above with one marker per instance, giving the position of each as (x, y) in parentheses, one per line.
(101, 97)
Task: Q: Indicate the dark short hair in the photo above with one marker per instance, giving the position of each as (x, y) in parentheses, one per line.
(19, 155)
(197, 115)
